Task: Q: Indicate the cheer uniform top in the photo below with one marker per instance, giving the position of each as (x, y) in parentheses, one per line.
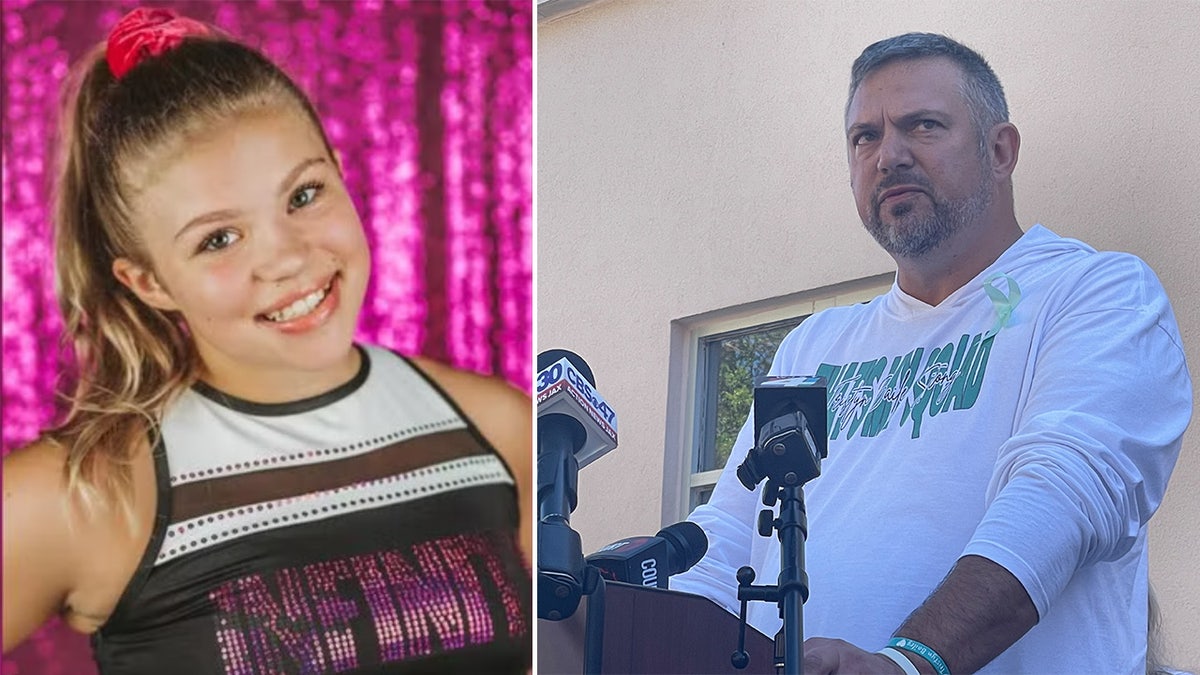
(370, 529)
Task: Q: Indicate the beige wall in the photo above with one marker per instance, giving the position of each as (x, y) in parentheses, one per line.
(691, 159)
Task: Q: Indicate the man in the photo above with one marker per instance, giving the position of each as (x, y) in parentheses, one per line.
(1002, 422)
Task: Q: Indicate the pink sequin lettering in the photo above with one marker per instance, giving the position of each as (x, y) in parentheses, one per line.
(257, 630)
(388, 629)
(332, 616)
(485, 550)
(438, 603)
(335, 611)
(456, 552)
(406, 588)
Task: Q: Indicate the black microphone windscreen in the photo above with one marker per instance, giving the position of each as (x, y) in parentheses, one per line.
(688, 540)
(551, 356)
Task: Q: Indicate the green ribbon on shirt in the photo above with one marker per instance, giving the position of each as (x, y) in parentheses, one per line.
(1003, 303)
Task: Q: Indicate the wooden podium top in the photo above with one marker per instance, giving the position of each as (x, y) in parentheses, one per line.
(650, 630)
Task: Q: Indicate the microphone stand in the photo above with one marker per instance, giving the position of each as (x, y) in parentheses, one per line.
(792, 525)
(788, 457)
(561, 566)
(593, 632)
(564, 576)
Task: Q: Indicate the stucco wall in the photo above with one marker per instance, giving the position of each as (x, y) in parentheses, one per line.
(691, 158)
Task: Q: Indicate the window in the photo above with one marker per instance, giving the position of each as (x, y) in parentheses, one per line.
(717, 359)
(730, 365)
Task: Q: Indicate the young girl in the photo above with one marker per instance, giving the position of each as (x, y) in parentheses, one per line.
(238, 486)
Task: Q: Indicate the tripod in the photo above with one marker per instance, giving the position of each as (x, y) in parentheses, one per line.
(788, 455)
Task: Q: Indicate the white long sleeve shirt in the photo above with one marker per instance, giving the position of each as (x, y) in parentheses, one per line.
(1034, 427)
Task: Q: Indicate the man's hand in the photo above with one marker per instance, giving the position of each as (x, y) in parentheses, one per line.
(978, 611)
(823, 656)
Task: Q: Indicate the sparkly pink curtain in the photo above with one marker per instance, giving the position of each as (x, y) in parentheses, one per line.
(430, 105)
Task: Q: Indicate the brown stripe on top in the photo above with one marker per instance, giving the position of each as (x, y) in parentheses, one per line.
(218, 494)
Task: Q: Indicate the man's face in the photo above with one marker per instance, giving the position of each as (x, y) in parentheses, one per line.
(915, 164)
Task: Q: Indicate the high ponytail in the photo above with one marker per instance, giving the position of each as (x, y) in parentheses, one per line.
(130, 359)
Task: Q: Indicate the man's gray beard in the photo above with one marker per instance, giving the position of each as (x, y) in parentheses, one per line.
(914, 239)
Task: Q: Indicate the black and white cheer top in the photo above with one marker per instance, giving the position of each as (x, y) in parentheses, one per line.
(370, 529)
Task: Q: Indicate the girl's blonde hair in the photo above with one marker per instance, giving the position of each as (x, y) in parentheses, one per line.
(132, 360)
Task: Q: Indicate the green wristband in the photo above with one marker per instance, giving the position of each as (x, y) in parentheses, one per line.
(922, 651)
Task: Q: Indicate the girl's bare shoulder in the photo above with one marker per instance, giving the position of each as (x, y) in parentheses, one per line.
(503, 413)
(63, 554)
(38, 549)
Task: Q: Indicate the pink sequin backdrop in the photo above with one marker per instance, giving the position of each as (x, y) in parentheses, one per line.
(430, 105)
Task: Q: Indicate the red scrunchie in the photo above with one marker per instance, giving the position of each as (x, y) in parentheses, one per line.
(147, 32)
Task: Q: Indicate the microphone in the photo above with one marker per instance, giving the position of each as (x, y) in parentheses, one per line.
(566, 391)
(649, 561)
(575, 427)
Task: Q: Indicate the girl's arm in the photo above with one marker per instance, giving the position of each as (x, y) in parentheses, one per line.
(38, 556)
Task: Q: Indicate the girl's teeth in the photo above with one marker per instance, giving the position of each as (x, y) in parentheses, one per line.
(299, 308)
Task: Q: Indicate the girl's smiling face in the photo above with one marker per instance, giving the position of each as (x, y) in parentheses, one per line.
(251, 236)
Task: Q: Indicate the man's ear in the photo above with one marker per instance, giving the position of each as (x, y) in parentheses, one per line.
(1005, 143)
(144, 284)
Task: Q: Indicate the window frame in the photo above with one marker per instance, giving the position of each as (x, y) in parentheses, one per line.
(687, 388)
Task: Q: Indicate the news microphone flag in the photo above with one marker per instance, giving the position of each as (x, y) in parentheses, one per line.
(649, 561)
(563, 390)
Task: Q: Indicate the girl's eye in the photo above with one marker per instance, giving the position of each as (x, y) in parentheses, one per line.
(218, 240)
(305, 195)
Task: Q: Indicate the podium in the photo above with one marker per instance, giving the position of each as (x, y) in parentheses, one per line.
(649, 630)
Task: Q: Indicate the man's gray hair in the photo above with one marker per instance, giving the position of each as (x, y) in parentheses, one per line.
(981, 87)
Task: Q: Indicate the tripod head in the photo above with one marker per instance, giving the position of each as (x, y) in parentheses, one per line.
(791, 437)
